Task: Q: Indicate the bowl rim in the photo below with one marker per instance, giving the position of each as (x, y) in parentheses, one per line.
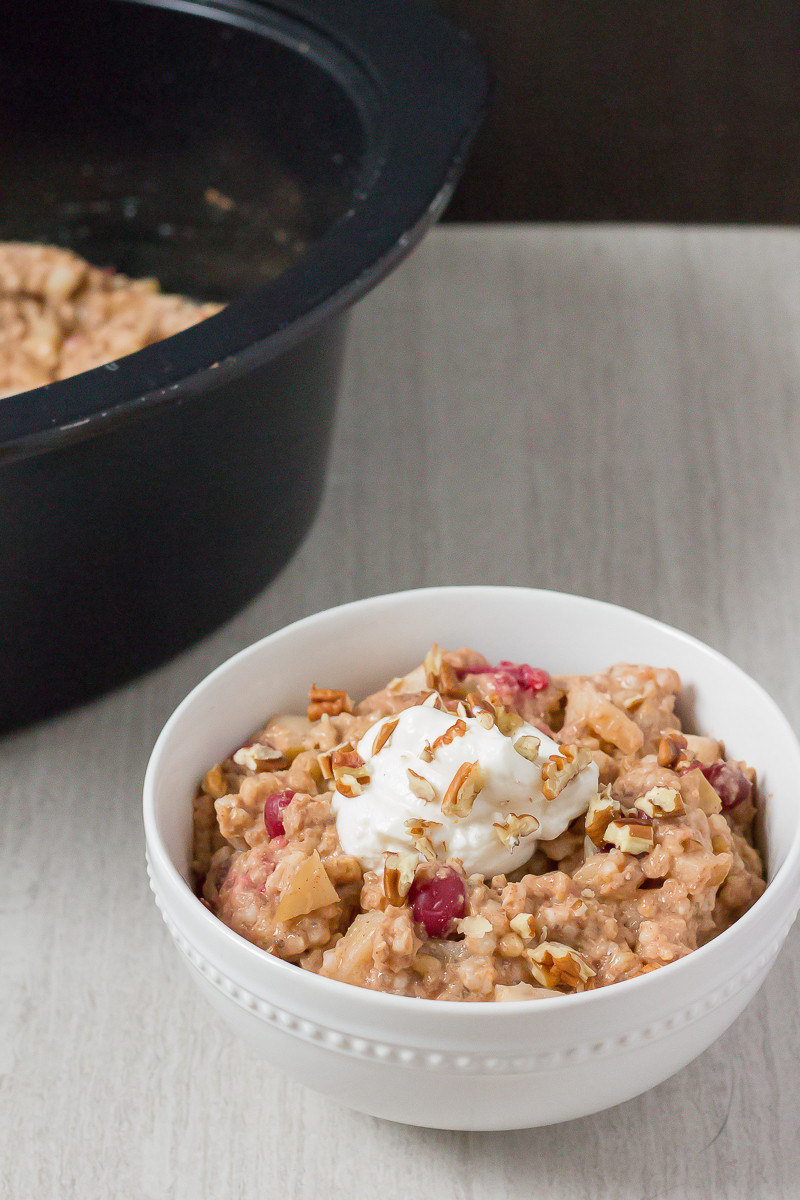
(786, 881)
(418, 125)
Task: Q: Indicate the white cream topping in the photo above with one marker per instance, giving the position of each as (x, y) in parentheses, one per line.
(374, 822)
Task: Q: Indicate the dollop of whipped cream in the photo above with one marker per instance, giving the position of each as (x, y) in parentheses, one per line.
(376, 819)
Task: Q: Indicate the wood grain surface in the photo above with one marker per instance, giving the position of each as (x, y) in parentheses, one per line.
(605, 411)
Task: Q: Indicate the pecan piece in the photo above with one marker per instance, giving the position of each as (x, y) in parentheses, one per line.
(464, 787)
(514, 828)
(261, 756)
(528, 746)
(601, 812)
(555, 965)
(481, 710)
(561, 768)
(474, 927)
(214, 783)
(432, 663)
(419, 832)
(507, 720)
(525, 926)
(671, 749)
(327, 701)
(348, 770)
(324, 760)
(398, 875)
(661, 802)
(421, 787)
(438, 672)
(632, 837)
(450, 734)
(384, 734)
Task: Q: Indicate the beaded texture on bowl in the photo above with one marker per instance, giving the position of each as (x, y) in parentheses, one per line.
(471, 1065)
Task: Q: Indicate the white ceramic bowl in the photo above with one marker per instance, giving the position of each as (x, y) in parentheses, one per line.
(444, 1064)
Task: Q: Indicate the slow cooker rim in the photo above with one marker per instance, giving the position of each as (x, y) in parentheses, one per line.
(415, 154)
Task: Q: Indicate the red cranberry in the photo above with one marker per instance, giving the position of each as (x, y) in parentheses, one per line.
(518, 675)
(530, 679)
(438, 902)
(272, 812)
(729, 783)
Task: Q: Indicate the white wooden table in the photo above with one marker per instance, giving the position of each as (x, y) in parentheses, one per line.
(611, 411)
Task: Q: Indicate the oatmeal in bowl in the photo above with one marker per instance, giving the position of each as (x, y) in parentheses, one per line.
(480, 832)
(504, 887)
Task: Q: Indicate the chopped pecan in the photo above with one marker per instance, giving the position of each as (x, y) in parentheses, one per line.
(507, 720)
(562, 767)
(398, 876)
(474, 927)
(524, 926)
(555, 965)
(384, 734)
(514, 828)
(448, 680)
(661, 802)
(528, 746)
(481, 710)
(349, 770)
(420, 787)
(632, 837)
(671, 749)
(433, 666)
(457, 730)
(324, 760)
(601, 812)
(439, 674)
(214, 783)
(464, 787)
(327, 701)
(419, 832)
(260, 757)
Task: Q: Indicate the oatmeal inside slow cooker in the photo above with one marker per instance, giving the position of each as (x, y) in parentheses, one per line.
(481, 833)
(60, 316)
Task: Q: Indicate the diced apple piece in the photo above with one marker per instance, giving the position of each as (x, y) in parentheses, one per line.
(309, 890)
(707, 798)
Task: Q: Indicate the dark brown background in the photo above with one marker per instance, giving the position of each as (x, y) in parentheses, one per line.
(666, 110)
